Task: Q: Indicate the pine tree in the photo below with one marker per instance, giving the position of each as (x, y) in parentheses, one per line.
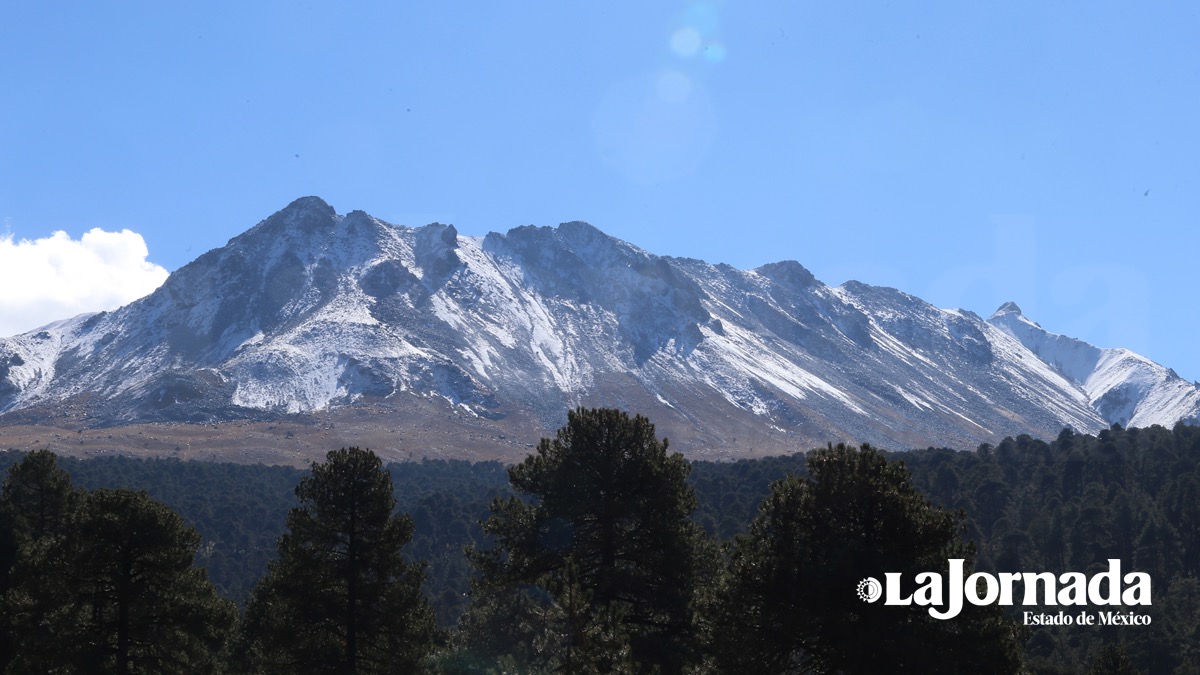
(341, 597)
(37, 505)
(788, 603)
(38, 496)
(1112, 660)
(118, 592)
(8, 559)
(604, 541)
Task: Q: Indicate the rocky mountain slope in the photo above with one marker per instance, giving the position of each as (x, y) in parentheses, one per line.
(312, 313)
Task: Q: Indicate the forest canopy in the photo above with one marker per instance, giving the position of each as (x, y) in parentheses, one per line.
(1023, 504)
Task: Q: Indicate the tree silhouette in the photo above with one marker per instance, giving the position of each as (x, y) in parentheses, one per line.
(1112, 660)
(788, 603)
(38, 496)
(602, 540)
(341, 597)
(117, 592)
(37, 503)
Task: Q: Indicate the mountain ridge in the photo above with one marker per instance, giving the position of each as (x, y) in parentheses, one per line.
(311, 312)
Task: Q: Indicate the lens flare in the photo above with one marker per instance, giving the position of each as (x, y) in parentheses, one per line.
(673, 86)
(698, 34)
(685, 42)
(655, 127)
(702, 17)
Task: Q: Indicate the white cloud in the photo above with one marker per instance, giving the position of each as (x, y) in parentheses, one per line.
(59, 277)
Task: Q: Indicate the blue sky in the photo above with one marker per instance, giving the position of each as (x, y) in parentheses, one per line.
(966, 153)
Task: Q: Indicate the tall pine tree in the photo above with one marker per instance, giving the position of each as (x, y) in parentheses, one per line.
(788, 601)
(341, 597)
(109, 586)
(37, 505)
(603, 541)
(38, 496)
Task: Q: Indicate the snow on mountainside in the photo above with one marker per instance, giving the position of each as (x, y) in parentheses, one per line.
(1124, 387)
(312, 311)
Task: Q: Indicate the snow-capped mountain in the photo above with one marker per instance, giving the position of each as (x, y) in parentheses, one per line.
(313, 311)
(1124, 387)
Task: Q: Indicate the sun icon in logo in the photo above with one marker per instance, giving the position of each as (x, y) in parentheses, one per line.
(869, 589)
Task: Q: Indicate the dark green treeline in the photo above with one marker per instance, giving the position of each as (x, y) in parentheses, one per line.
(1021, 505)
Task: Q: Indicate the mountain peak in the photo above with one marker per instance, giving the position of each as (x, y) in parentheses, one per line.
(1008, 308)
(308, 204)
(306, 216)
(312, 311)
(581, 235)
(788, 272)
